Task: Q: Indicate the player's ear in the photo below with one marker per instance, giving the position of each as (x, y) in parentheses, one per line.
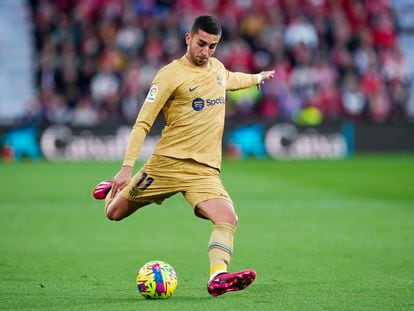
(187, 38)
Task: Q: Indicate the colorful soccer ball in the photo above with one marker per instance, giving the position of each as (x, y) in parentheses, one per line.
(156, 280)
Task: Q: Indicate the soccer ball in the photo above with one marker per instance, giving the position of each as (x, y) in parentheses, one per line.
(156, 280)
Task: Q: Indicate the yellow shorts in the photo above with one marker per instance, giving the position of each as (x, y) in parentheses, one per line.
(162, 177)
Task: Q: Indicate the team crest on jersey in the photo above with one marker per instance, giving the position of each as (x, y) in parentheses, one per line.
(152, 93)
(219, 80)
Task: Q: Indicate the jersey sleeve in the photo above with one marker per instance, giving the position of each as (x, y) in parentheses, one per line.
(238, 80)
(159, 93)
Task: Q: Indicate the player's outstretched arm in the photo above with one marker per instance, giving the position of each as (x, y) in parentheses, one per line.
(239, 80)
(121, 179)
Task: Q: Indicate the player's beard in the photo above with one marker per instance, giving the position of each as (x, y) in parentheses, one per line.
(199, 60)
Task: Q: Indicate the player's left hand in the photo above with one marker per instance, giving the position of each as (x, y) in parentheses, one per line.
(121, 179)
(265, 75)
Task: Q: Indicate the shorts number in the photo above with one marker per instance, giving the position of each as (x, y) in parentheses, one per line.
(148, 181)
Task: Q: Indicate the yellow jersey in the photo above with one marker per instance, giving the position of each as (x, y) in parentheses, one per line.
(193, 102)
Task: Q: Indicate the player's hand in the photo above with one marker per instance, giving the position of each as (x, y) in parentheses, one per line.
(265, 75)
(121, 180)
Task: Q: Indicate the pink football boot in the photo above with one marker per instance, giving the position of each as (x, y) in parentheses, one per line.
(102, 189)
(227, 282)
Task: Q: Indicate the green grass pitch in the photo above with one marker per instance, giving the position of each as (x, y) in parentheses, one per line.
(322, 235)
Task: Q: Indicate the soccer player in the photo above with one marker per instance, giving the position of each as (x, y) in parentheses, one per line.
(191, 91)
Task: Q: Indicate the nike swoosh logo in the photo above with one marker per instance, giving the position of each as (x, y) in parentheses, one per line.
(193, 88)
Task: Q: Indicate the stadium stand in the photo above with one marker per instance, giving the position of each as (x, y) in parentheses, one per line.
(16, 70)
(341, 58)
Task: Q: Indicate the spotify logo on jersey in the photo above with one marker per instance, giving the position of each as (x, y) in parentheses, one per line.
(198, 104)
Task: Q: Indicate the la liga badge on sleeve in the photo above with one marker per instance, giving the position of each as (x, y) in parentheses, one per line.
(152, 93)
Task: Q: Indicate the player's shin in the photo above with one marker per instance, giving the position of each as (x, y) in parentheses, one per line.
(220, 247)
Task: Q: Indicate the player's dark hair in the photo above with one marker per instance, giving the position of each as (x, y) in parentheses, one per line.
(206, 23)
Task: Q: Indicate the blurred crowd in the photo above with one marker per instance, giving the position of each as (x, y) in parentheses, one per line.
(334, 59)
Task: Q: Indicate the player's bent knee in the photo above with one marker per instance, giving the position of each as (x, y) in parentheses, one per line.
(217, 211)
(121, 208)
(113, 214)
(232, 219)
(235, 220)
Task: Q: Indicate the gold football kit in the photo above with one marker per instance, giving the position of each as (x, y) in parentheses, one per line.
(187, 157)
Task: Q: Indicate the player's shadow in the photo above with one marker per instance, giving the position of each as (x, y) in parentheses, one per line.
(160, 301)
(192, 299)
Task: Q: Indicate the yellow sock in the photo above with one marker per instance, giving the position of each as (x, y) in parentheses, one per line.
(220, 247)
